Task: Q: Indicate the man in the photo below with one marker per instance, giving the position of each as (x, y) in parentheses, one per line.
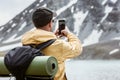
(60, 49)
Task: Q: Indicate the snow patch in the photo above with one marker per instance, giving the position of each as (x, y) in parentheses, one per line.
(93, 38)
(22, 26)
(41, 1)
(114, 1)
(44, 5)
(13, 25)
(104, 2)
(79, 18)
(1, 28)
(65, 7)
(114, 51)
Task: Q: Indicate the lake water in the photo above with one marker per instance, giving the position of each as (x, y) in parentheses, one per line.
(91, 70)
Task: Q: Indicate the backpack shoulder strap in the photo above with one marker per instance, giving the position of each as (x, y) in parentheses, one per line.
(45, 44)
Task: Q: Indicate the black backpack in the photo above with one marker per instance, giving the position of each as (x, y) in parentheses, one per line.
(18, 59)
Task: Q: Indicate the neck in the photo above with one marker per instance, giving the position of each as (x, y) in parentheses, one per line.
(47, 27)
(44, 28)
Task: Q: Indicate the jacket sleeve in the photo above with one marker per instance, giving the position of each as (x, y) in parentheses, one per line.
(72, 48)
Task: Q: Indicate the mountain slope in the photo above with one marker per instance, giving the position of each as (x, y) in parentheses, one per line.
(95, 22)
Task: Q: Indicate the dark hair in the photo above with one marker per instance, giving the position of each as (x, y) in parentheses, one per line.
(42, 17)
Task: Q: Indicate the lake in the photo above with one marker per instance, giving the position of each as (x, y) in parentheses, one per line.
(93, 70)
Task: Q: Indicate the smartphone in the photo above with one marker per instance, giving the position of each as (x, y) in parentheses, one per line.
(61, 23)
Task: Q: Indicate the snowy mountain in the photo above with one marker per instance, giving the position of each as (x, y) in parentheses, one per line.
(95, 22)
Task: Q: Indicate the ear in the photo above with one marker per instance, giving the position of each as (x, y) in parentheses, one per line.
(50, 25)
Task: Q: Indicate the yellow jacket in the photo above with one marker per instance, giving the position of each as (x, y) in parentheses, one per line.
(60, 49)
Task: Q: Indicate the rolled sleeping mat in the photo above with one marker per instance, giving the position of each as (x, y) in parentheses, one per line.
(3, 69)
(46, 66)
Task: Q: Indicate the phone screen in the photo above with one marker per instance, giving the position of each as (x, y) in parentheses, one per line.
(61, 25)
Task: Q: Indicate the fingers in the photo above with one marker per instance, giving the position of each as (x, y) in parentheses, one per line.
(56, 32)
(63, 32)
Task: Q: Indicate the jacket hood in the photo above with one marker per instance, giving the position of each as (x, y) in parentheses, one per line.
(37, 36)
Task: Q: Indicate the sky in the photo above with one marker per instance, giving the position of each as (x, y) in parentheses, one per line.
(10, 8)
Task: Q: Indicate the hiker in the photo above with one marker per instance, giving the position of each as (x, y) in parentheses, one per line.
(43, 22)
